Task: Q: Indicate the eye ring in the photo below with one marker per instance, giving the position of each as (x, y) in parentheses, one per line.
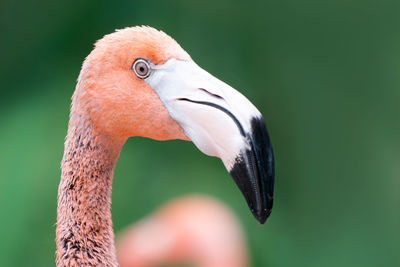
(141, 68)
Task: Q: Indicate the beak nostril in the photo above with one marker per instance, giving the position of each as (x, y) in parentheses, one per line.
(212, 94)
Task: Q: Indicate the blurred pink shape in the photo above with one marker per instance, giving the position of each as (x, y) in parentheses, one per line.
(195, 229)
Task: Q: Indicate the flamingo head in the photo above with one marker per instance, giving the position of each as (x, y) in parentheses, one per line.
(139, 82)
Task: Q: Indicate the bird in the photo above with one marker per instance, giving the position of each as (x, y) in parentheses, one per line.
(138, 81)
(193, 229)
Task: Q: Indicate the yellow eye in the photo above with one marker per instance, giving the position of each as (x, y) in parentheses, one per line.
(141, 68)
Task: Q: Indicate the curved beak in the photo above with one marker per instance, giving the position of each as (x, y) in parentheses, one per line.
(221, 122)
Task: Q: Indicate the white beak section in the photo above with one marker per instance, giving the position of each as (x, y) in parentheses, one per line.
(221, 122)
(212, 114)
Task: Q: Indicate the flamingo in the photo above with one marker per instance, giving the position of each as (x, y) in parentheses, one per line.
(194, 229)
(139, 82)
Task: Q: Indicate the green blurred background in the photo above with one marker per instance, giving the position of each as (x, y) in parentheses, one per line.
(325, 74)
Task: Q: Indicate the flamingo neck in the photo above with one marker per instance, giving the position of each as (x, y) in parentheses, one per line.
(84, 227)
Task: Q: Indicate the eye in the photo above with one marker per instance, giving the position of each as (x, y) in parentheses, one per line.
(141, 68)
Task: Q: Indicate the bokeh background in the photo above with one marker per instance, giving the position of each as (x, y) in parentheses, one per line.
(325, 74)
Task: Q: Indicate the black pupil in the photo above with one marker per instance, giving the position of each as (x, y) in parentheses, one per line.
(141, 68)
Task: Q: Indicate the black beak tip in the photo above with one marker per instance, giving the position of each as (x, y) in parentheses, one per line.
(253, 171)
(261, 218)
(262, 215)
(257, 189)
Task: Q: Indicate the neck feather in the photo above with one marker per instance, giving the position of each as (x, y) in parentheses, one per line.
(84, 228)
